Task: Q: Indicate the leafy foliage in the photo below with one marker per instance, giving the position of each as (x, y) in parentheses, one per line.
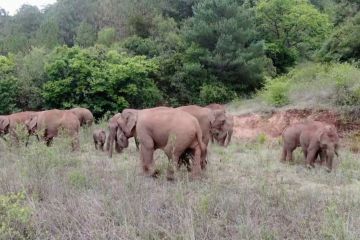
(14, 217)
(100, 80)
(344, 44)
(292, 29)
(8, 85)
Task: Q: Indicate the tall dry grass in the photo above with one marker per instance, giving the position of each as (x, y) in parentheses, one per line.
(246, 193)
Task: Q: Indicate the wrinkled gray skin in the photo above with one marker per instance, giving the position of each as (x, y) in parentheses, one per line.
(169, 129)
(115, 136)
(99, 137)
(315, 138)
(223, 136)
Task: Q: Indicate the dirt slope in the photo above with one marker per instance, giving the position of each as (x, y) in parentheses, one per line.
(272, 124)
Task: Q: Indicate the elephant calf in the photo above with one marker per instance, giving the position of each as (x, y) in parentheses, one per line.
(99, 136)
(315, 138)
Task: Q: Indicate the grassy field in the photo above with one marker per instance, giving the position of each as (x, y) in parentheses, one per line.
(246, 193)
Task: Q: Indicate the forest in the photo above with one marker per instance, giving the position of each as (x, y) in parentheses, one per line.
(108, 55)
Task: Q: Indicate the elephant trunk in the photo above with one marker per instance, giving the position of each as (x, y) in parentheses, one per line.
(111, 139)
(330, 153)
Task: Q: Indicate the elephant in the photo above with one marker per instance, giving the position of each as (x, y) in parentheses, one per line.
(84, 115)
(223, 136)
(99, 137)
(116, 135)
(209, 120)
(172, 130)
(9, 123)
(216, 106)
(315, 138)
(51, 121)
(323, 141)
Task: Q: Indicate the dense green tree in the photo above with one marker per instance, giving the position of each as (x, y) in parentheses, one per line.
(292, 29)
(8, 86)
(85, 35)
(48, 34)
(107, 36)
(100, 80)
(224, 30)
(344, 43)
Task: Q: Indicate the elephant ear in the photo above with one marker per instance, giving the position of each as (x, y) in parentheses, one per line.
(130, 118)
(219, 118)
(322, 135)
(31, 125)
(4, 123)
(212, 118)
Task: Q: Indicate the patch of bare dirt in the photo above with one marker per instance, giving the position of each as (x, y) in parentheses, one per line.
(272, 124)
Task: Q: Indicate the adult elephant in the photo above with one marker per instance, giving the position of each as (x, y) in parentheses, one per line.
(223, 136)
(216, 106)
(169, 129)
(51, 121)
(315, 138)
(9, 123)
(84, 115)
(209, 120)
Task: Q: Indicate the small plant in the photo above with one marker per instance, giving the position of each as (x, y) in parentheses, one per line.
(14, 217)
(261, 138)
(276, 92)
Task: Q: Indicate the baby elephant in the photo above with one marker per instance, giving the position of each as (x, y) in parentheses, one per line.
(99, 137)
(315, 138)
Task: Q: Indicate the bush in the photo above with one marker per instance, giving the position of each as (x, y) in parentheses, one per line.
(100, 79)
(107, 36)
(215, 93)
(319, 84)
(276, 91)
(14, 217)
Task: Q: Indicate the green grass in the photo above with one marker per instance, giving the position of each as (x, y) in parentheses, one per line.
(246, 193)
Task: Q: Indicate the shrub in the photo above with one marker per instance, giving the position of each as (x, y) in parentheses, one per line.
(14, 217)
(107, 36)
(276, 91)
(215, 93)
(335, 84)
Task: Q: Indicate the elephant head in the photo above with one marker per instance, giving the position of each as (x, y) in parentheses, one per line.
(121, 140)
(329, 143)
(128, 125)
(217, 120)
(4, 124)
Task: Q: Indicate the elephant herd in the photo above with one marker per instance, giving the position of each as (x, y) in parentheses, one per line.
(48, 123)
(183, 134)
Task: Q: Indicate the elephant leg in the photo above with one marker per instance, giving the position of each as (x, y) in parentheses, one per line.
(310, 159)
(196, 168)
(322, 157)
(96, 145)
(283, 155)
(147, 155)
(102, 146)
(289, 154)
(329, 163)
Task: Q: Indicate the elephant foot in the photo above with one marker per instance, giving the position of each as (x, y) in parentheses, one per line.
(310, 166)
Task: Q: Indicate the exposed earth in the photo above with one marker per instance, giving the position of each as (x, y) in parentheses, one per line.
(250, 126)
